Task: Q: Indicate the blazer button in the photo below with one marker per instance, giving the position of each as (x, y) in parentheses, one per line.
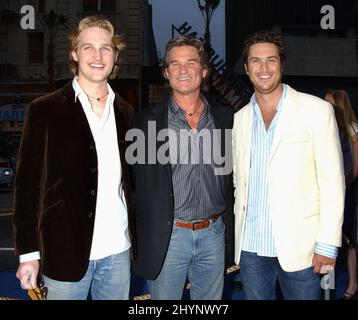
(91, 147)
(93, 170)
(93, 192)
(171, 195)
(90, 215)
(168, 223)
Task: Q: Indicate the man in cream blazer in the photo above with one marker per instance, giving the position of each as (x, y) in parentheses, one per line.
(289, 181)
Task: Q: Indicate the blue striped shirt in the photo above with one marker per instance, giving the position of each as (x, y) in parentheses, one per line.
(258, 236)
(197, 190)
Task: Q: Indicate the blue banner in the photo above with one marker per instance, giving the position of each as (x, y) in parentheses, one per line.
(12, 112)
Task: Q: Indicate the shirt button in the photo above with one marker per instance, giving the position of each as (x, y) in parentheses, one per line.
(93, 192)
(90, 215)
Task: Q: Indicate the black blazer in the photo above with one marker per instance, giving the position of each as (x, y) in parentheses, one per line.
(56, 183)
(154, 203)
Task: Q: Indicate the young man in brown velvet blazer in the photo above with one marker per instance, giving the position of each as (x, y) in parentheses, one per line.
(72, 189)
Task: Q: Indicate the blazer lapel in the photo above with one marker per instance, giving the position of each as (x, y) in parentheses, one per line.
(216, 116)
(247, 127)
(120, 119)
(121, 127)
(287, 116)
(218, 125)
(160, 116)
(75, 108)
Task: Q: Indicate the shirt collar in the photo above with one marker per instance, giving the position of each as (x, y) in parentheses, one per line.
(180, 113)
(255, 105)
(78, 90)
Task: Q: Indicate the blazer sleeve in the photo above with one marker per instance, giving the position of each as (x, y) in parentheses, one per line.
(330, 177)
(28, 181)
(234, 146)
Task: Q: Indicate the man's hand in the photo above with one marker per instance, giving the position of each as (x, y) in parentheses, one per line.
(27, 274)
(322, 264)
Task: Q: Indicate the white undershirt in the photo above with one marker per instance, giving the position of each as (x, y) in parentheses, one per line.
(110, 235)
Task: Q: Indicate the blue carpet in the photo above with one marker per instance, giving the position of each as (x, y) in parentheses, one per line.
(10, 287)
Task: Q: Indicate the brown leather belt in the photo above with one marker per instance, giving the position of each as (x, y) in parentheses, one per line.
(197, 225)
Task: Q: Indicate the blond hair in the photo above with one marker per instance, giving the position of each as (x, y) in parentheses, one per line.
(101, 22)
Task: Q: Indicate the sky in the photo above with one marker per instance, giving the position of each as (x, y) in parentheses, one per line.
(176, 12)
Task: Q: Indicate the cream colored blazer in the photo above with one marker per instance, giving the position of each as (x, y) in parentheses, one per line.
(305, 176)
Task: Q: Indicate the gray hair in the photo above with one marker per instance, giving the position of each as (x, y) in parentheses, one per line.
(192, 42)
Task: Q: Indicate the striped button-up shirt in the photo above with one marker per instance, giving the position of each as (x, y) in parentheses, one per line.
(258, 236)
(197, 190)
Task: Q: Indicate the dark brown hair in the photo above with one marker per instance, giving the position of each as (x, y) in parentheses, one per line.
(264, 37)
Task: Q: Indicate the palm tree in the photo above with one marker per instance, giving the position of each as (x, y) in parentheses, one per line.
(52, 23)
(207, 9)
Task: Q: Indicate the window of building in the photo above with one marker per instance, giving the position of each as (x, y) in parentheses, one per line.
(108, 5)
(36, 47)
(98, 5)
(3, 41)
(4, 53)
(41, 6)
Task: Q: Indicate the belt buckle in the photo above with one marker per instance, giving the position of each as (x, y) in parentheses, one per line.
(194, 224)
(202, 222)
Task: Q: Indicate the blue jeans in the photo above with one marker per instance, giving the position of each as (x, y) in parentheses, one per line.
(259, 275)
(198, 255)
(106, 279)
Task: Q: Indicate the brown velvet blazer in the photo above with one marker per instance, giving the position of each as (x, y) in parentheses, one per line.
(56, 183)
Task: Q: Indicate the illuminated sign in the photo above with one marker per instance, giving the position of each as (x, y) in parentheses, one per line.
(12, 112)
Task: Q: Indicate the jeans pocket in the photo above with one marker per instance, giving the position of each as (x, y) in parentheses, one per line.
(218, 226)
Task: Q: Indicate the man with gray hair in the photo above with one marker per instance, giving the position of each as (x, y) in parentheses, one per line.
(183, 208)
